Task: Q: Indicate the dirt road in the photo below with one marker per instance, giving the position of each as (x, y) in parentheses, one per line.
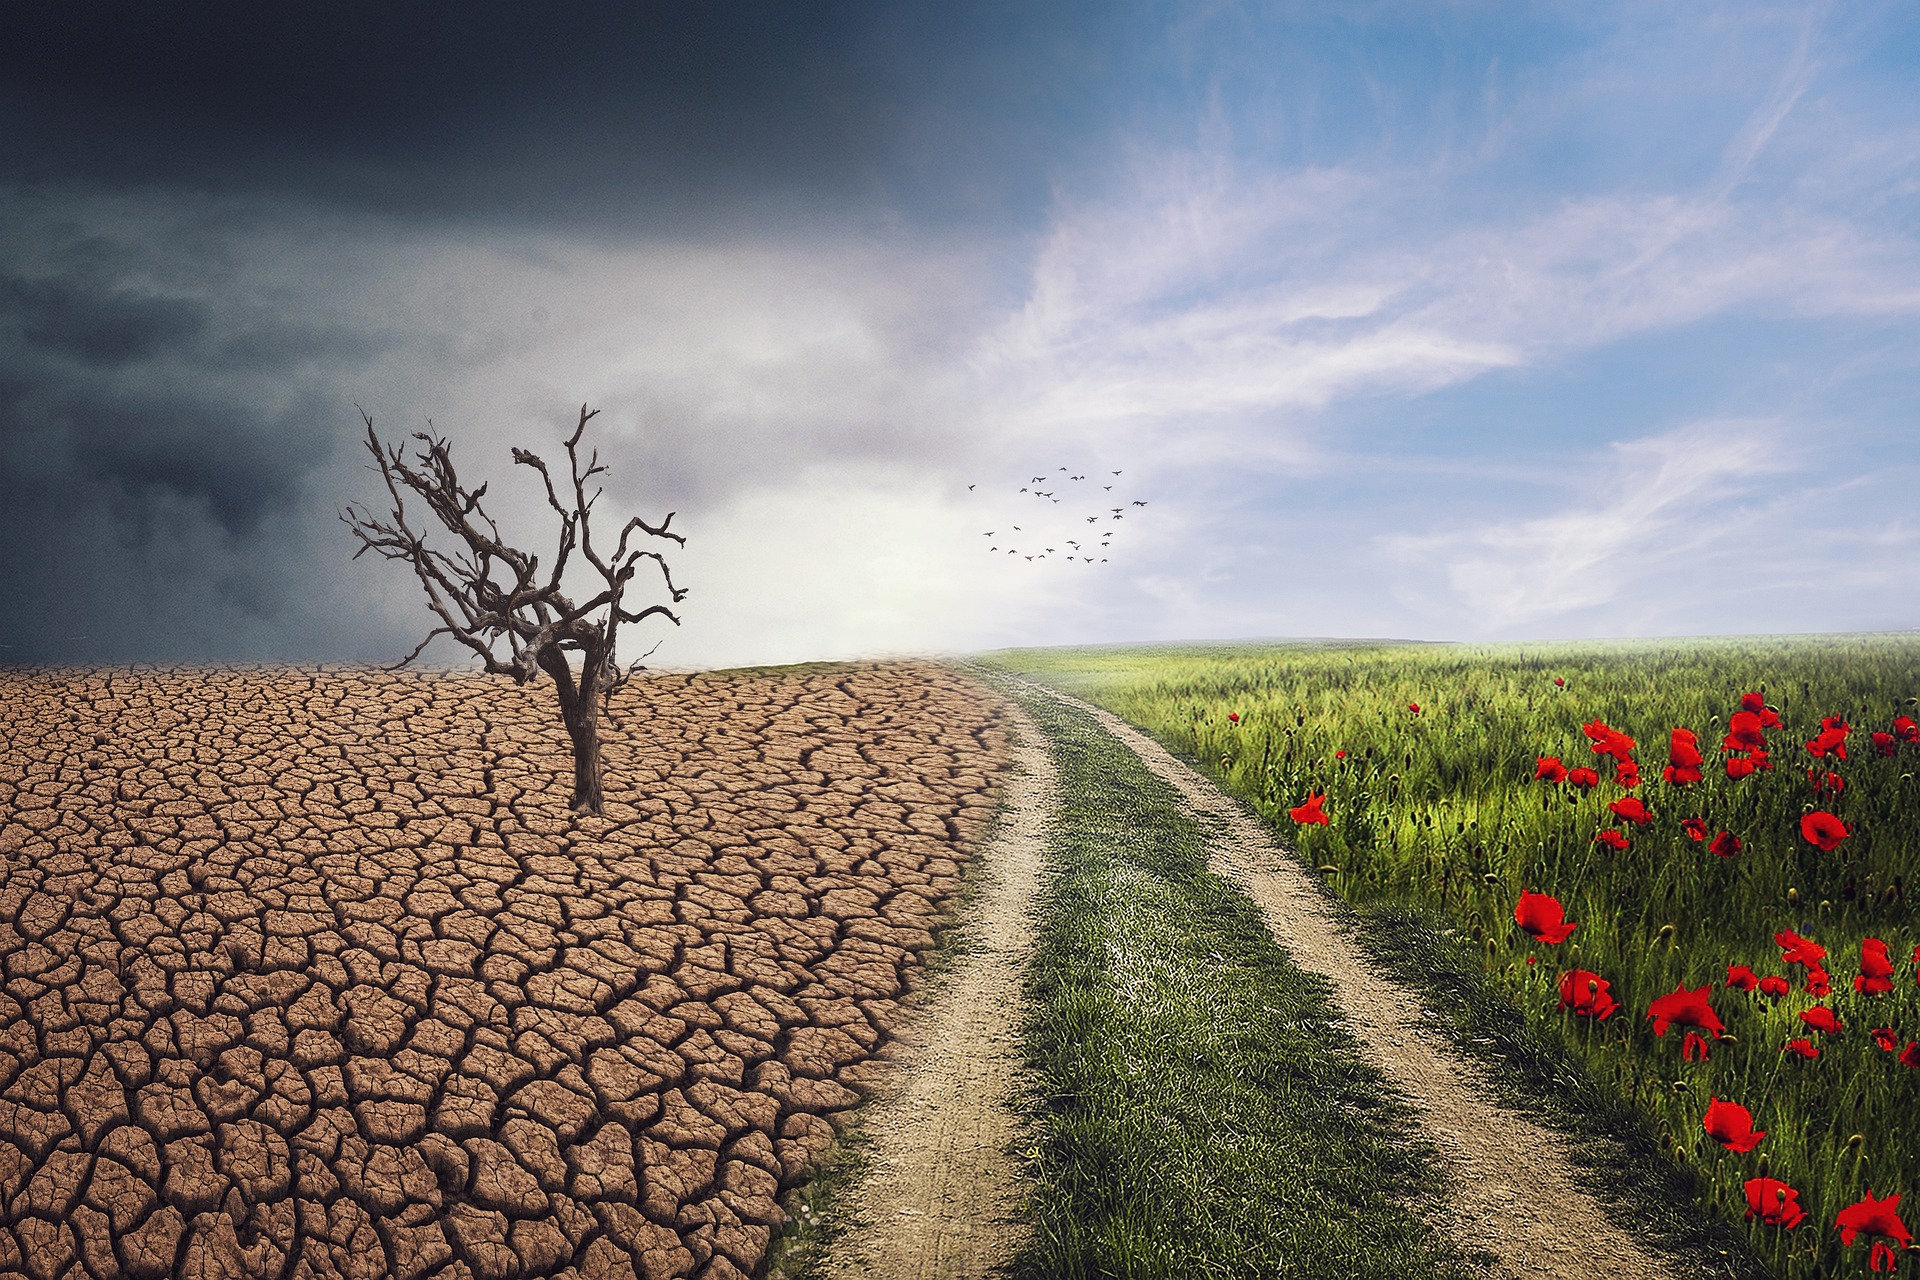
(1514, 1196)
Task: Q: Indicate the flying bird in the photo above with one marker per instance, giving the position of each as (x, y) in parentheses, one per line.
(1116, 510)
(969, 488)
(1091, 519)
(1138, 503)
(1108, 488)
(1116, 473)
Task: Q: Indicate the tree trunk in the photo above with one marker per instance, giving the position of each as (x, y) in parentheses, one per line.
(580, 708)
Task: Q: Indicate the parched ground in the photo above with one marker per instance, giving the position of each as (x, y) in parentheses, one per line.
(313, 973)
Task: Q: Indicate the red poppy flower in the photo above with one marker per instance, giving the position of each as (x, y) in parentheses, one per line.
(1542, 916)
(1741, 978)
(1879, 1219)
(1831, 738)
(1757, 704)
(1549, 769)
(1731, 1125)
(1607, 741)
(1613, 840)
(1233, 717)
(1341, 754)
(1819, 982)
(1694, 1049)
(1683, 749)
(1587, 994)
(1774, 986)
(1679, 776)
(1627, 774)
(1724, 845)
(1830, 782)
(1822, 830)
(1795, 949)
(1743, 733)
(1910, 1056)
(1884, 744)
(1821, 1019)
(1738, 768)
(1585, 779)
(1309, 814)
(1876, 969)
(1696, 828)
(1559, 682)
(1414, 707)
(1886, 1039)
(1761, 760)
(1688, 1008)
(1631, 809)
(1776, 1203)
(1905, 729)
(1802, 1046)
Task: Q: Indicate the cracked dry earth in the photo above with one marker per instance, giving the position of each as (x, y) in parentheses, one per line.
(312, 973)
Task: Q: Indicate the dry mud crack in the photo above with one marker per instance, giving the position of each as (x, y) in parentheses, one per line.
(311, 973)
(1514, 1192)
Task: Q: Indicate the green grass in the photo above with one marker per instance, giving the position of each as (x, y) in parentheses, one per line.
(1198, 1111)
(1438, 815)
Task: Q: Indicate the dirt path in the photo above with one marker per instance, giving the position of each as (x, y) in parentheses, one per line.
(1515, 1193)
(941, 1199)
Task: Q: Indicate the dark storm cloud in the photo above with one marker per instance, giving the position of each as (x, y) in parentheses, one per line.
(610, 115)
(224, 223)
(68, 319)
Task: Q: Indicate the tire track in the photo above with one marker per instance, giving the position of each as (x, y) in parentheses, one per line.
(942, 1197)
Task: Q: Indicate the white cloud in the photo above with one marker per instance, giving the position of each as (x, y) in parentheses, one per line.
(1685, 497)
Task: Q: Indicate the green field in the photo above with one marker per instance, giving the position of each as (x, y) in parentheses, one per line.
(1438, 813)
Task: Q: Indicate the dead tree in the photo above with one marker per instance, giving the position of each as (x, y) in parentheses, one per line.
(488, 591)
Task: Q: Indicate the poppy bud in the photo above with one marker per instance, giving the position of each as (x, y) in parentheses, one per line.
(1854, 1143)
(1490, 878)
(1765, 1166)
(1330, 870)
(1666, 931)
(1793, 895)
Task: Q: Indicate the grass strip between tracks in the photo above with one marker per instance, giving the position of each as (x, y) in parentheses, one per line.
(1197, 1109)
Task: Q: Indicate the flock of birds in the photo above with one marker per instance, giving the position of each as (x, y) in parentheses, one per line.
(1070, 549)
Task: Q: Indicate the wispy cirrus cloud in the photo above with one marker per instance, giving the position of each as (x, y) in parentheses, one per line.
(1689, 497)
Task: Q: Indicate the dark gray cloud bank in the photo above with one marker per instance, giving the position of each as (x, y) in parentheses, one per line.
(203, 209)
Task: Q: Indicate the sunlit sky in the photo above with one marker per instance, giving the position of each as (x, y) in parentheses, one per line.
(1445, 321)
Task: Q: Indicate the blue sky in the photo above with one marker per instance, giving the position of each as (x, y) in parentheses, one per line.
(1449, 321)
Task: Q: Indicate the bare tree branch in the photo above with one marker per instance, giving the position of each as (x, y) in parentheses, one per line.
(540, 625)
